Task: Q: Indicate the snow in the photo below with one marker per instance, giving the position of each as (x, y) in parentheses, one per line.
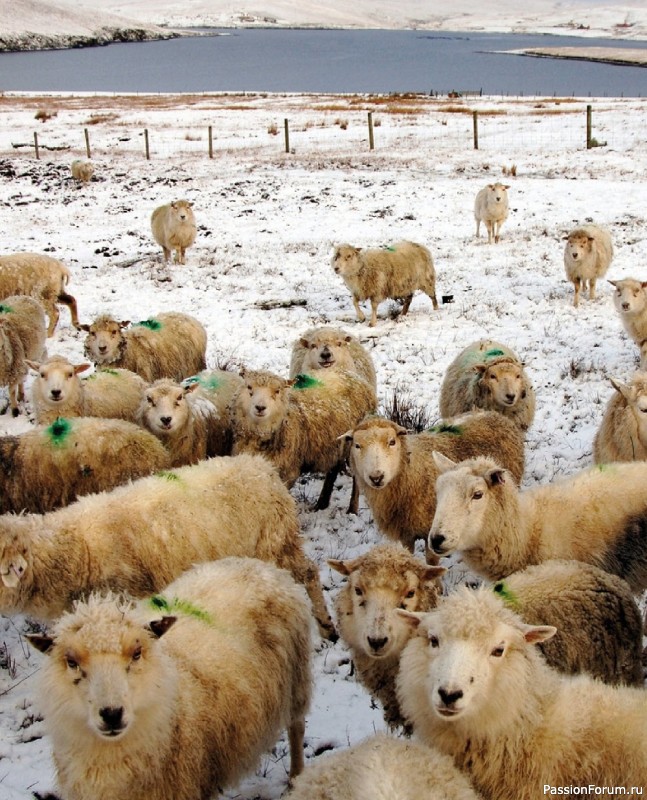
(267, 222)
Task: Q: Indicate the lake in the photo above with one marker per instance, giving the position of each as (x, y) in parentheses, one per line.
(294, 60)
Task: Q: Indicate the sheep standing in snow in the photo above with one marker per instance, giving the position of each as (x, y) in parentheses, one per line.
(22, 336)
(488, 375)
(174, 228)
(139, 537)
(622, 435)
(41, 277)
(378, 274)
(178, 699)
(396, 472)
(630, 300)
(331, 348)
(169, 345)
(587, 255)
(474, 685)
(598, 516)
(46, 468)
(57, 391)
(82, 170)
(491, 207)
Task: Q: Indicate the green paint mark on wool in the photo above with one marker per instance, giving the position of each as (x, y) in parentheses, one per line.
(177, 606)
(5, 309)
(505, 594)
(454, 430)
(168, 476)
(390, 248)
(306, 382)
(495, 353)
(604, 467)
(59, 431)
(151, 324)
(209, 382)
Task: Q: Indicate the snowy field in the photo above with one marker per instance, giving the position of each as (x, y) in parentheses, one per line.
(267, 223)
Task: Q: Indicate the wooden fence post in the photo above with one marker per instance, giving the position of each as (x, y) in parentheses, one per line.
(475, 126)
(210, 141)
(148, 152)
(287, 135)
(589, 128)
(36, 144)
(371, 141)
(87, 143)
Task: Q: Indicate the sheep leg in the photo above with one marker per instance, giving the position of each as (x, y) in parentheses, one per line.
(70, 302)
(353, 506)
(406, 304)
(490, 229)
(14, 393)
(577, 283)
(478, 228)
(497, 228)
(326, 489)
(374, 304)
(167, 254)
(360, 314)
(591, 288)
(305, 571)
(52, 314)
(296, 734)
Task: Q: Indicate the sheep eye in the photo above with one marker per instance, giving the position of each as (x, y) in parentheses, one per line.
(498, 651)
(358, 591)
(433, 641)
(71, 663)
(151, 402)
(250, 390)
(391, 442)
(477, 495)
(410, 594)
(137, 654)
(357, 447)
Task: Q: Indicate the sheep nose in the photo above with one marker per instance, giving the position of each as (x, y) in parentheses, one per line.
(449, 698)
(574, 256)
(625, 306)
(376, 478)
(102, 348)
(511, 398)
(260, 408)
(437, 541)
(113, 717)
(166, 421)
(377, 644)
(56, 394)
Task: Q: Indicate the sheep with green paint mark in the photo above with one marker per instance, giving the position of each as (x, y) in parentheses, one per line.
(325, 348)
(22, 336)
(488, 375)
(141, 536)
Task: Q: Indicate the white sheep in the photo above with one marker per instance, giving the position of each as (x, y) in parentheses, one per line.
(630, 300)
(383, 768)
(82, 170)
(327, 347)
(598, 516)
(622, 435)
(52, 466)
(491, 207)
(474, 685)
(296, 424)
(58, 391)
(396, 472)
(178, 699)
(488, 375)
(174, 228)
(22, 336)
(141, 536)
(378, 274)
(168, 345)
(42, 277)
(587, 255)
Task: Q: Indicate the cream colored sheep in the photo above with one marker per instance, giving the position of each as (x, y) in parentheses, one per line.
(219, 387)
(473, 684)
(174, 228)
(382, 580)
(139, 537)
(587, 255)
(378, 274)
(178, 700)
(41, 277)
(169, 345)
(45, 468)
(630, 300)
(22, 336)
(396, 472)
(622, 435)
(82, 170)
(296, 424)
(488, 375)
(57, 391)
(331, 348)
(491, 207)
(383, 768)
(598, 516)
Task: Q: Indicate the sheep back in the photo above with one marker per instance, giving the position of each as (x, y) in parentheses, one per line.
(174, 228)
(622, 435)
(331, 348)
(22, 336)
(218, 387)
(587, 255)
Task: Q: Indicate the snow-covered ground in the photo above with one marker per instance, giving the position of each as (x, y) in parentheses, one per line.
(267, 223)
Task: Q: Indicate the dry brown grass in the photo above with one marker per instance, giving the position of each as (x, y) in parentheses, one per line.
(99, 119)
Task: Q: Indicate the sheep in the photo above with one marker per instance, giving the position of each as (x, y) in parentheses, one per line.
(178, 698)
(49, 467)
(472, 684)
(396, 473)
(598, 516)
(139, 537)
(57, 391)
(82, 171)
(331, 348)
(22, 336)
(169, 345)
(383, 768)
(174, 228)
(378, 274)
(380, 581)
(41, 277)
(622, 435)
(630, 300)
(488, 375)
(296, 423)
(587, 255)
(491, 207)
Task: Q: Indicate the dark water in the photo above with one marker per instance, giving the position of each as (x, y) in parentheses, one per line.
(325, 61)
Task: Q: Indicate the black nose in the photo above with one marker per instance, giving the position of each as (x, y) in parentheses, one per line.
(449, 698)
(260, 408)
(625, 306)
(510, 398)
(56, 393)
(437, 542)
(165, 421)
(113, 717)
(377, 644)
(376, 478)
(103, 348)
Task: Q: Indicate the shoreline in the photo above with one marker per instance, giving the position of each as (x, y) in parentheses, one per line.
(622, 57)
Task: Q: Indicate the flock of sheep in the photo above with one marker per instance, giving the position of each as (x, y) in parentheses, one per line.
(183, 614)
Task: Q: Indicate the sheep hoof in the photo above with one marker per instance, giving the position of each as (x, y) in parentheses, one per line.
(15, 412)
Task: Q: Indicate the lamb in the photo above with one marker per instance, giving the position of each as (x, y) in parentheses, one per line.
(488, 375)
(41, 277)
(396, 472)
(622, 435)
(139, 537)
(378, 274)
(82, 170)
(491, 207)
(169, 345)
(296, 424)
(383, 768)
(22, 336)
(49, 467)
(174, 228)
(58, 391)
(587, 255)
(331, 348)
(630, 300)
(598, 516)
(472, 683)
(178, 699)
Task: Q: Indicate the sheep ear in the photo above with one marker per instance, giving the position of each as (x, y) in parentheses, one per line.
(442, 462)
(346, 437)
(412, 618)
(81, 368)
(84, 327)
(643, 284)
(536, 634)
(124, 323)
(400, 431)
(495, 476)
(191, 387)
(32, 365)
(158, 627)
(40, 641)
(480, 368)
(613, 283)
(507, 185)
(620, 387)
(431, 573)
(304, 342)
(343, 567)
(347, 338)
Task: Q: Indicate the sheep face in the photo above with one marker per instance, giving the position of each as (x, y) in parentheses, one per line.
(165, 408)
(105, 340)
(579, 246)
(14, 555)
(630, 296)
(57, 380)
(326, 349)
(635, 397)
(263, 400)
(181, 211)
(346, 261)
(377, 452)
(502, 383)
